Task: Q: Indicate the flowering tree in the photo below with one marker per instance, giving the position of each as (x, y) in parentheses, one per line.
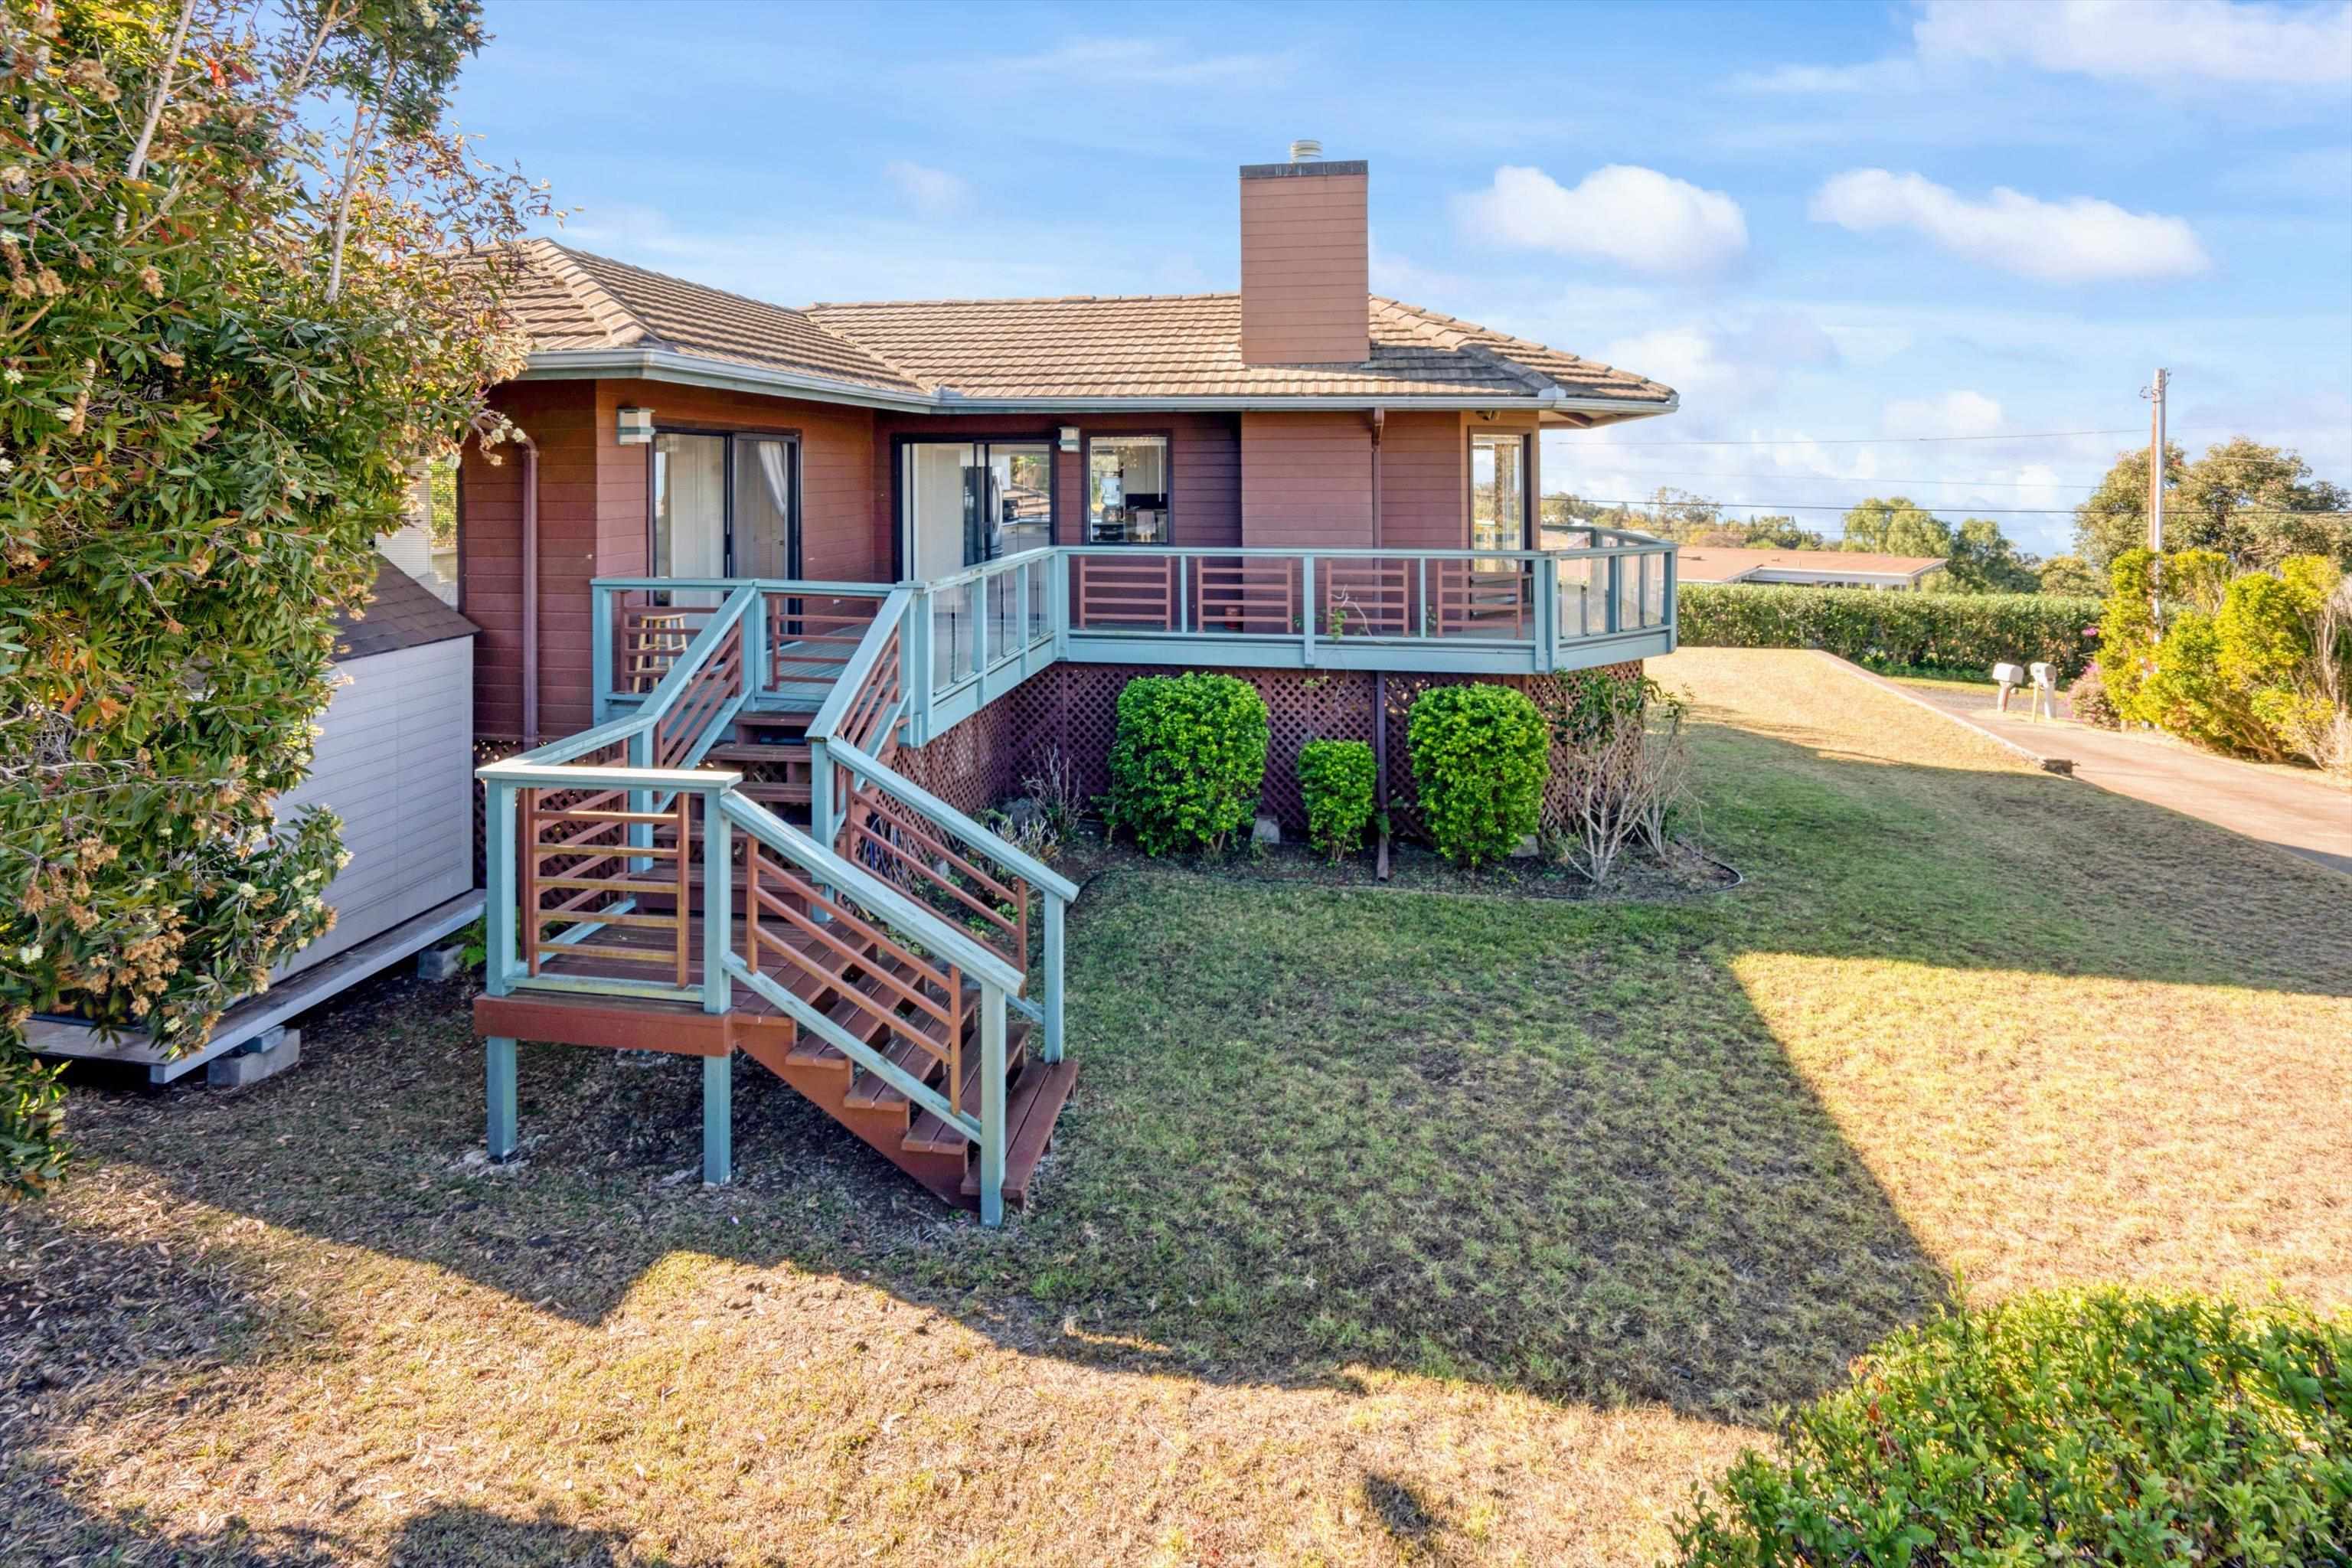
(227, 338)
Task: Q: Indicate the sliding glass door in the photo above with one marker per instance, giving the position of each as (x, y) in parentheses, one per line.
(725, 505)
(965, 502)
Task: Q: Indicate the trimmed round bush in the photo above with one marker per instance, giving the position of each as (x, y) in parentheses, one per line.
(1186, 760)
(1336, 779)
(1480, 757)
(1969, 632)
(2106, 1427)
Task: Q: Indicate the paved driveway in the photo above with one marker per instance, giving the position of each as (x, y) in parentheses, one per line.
(2284, 806)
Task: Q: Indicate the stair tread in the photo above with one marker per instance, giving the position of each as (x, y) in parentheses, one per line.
(929, 1133)
(758, 751)
(906, 1049)
(1029, 1118)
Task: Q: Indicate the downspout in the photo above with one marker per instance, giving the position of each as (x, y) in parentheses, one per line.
(529, 589)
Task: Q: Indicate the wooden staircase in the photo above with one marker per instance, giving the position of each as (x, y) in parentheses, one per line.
(663, 883)
(934, 1152)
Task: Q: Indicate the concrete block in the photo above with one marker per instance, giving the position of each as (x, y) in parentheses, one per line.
(441, 963)
(272, 1054)
(1266, 830)
(1526, 848)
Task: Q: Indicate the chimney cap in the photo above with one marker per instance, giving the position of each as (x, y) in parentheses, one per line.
(1306, 150)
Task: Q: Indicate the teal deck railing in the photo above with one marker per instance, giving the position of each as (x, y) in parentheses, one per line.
(1594, 596)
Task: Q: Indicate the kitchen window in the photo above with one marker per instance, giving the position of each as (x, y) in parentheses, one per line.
(1127, 489)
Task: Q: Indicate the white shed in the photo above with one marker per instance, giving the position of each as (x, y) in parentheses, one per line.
(396, 761)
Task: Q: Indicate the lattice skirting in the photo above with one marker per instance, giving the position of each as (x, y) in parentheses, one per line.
(1073, 708)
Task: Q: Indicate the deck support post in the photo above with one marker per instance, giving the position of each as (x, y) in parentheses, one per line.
(992, 1105)
(499, 1051)
(717, 898)
(1056, 909)
(718, 1119)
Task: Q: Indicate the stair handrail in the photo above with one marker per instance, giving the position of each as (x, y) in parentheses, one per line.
(1059, 891)
(555, 766)
(893, 783)
(997, 979)
(934, 931)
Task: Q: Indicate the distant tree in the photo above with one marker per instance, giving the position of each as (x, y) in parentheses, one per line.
(1781, 533)
(2252, 503)
(1981, 559)
(2074, 575)
(1897, 526)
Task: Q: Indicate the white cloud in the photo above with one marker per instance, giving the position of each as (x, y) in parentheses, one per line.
(931, 192)
(1895, 74)
(2076, 241)
(1954, 413)
(1718, 365)
(1636, 217)
(1144, 62)
(2211, 41)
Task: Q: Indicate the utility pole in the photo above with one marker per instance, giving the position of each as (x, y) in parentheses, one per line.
(2155, 395)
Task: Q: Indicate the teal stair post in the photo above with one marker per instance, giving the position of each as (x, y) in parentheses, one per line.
(1056, 911)
(718, 1119)
(499, 1136)
(992, 1105)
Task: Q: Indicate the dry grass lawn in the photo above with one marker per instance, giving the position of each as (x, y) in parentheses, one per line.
(1385, 1228)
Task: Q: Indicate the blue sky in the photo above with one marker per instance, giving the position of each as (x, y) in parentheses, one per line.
(1825, 225)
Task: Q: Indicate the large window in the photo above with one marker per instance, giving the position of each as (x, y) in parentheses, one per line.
(1127, 489)
(724, 505)
(1498, 491)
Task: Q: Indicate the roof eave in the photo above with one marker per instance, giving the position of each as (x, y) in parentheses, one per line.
(694, 370)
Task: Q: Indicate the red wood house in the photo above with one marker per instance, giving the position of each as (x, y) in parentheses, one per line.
(779, 599)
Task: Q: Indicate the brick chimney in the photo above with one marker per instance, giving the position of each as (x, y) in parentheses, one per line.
(1306, 260)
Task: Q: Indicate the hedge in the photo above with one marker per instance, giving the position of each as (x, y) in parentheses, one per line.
(1481, 755)
(1944, 631)
(2108, 1426)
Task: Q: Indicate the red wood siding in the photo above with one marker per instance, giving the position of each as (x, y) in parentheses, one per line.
(1306, 479)
(1424, 494)
(593, 523)
(560, 417)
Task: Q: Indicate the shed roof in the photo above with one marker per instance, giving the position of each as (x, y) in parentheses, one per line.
(402, 613)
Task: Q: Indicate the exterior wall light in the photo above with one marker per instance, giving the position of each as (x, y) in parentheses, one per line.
(1069, 437)
(636, 427)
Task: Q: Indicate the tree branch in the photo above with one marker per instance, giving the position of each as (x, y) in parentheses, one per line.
(163, 92)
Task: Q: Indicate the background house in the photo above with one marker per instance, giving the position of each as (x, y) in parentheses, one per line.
(1806, 568)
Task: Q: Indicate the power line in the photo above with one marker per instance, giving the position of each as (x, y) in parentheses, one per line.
(1844, 479)
(1645, 503)
(1875, 440)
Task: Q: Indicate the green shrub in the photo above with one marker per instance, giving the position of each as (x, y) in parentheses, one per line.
(1336, 779)
(2257, 664)
(2087, 701)
(1187, 762)
(1970, 632)
(2105, 1426)
(1480, 757)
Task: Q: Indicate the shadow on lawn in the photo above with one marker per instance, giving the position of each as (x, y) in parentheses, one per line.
(1551, 1146)
(445, 1537)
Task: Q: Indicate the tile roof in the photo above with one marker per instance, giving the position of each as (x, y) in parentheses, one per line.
(1146, 346)
(403, 613)
(571, 300)
(1707, 565)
